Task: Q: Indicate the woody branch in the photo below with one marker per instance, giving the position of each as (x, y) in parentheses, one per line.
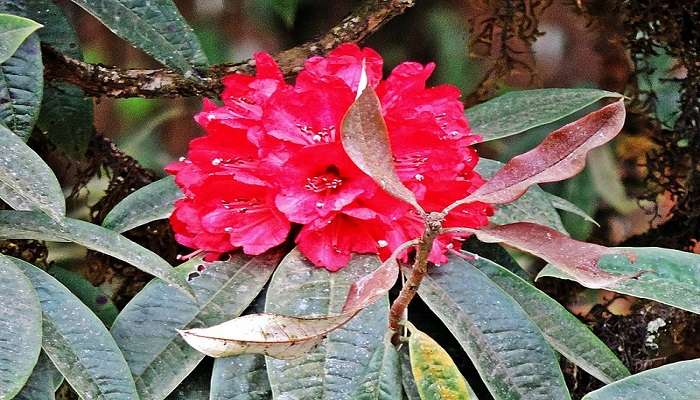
(100, 80)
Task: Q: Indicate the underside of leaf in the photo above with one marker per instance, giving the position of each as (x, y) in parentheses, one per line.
(580, 259)
(561, 155)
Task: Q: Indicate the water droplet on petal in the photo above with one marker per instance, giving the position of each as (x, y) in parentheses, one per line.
(216, 161)
(320, 204)
(419, 177)
(382, 243)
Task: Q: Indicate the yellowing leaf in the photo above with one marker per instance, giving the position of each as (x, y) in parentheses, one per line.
(435, 374)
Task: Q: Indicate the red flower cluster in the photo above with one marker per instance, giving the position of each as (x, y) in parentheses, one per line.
(272, 156)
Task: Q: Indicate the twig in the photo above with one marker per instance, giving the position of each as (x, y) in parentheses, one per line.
(100, 80)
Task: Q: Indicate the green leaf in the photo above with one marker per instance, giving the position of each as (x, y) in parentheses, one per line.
(533, 206)
(93, 297)
(565, 205)
(154, 26)
(21, 88)
(517, 112)
(34, 225)
(150, 203)
(287, 10)
(606, 179)
(242, 377)
(14, 31)
(677, 381)
(78, 343)
(382, 378)
(331, 371)
(66, 113)
(146, 330)
(26, 182)
(436, 375)
(668, 276)
(20, 328)
(506, 347)
(43, 382)
(563, 331)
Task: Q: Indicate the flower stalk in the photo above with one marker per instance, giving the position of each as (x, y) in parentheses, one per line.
(433, 226)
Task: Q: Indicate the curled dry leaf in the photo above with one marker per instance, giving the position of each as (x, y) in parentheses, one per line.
(366, 141)
(561, 155)
(277, 336)
(579, 259)
(287, 337)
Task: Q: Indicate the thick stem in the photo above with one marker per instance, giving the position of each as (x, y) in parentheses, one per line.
(420, 268)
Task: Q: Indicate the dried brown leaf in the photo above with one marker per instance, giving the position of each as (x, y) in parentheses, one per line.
(286, 337)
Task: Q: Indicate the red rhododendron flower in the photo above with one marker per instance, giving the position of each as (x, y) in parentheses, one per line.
(272, 157)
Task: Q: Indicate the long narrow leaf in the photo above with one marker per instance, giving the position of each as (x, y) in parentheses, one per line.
(677, 381)
(520, 111)
(155, 26)
(35, 225)
(78, 343)
(26, 182)
(668, 276)
(150, 203)
(20, 328)
(563, 331)
(287, 336)
(436, 375)
(579, 259)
